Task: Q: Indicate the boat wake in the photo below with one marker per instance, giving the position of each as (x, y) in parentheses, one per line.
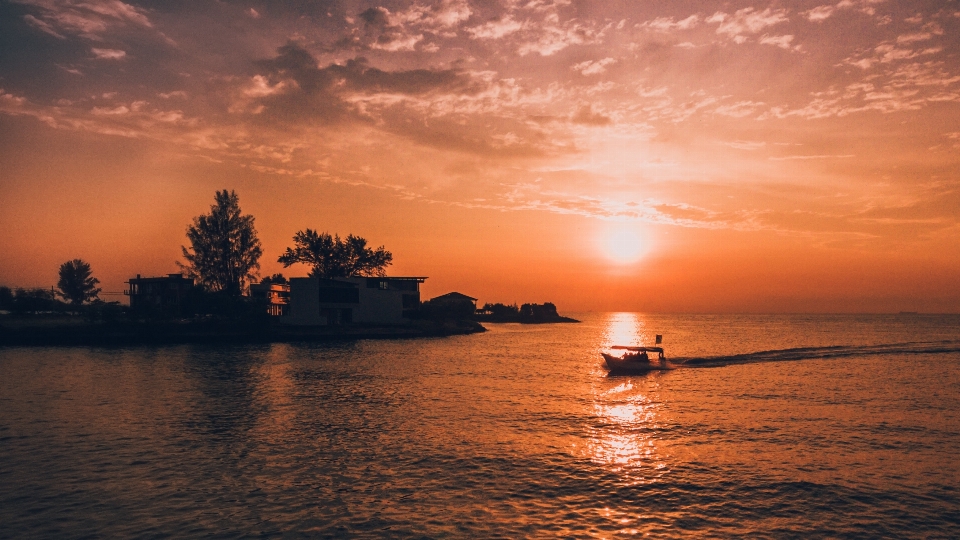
(810, 353)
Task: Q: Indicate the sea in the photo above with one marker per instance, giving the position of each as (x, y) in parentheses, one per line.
(783, 426)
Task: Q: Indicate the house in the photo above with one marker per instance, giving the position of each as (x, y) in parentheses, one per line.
(454, 298)
(453, 304)
(276, 296)
(163, 295)
(365, 300)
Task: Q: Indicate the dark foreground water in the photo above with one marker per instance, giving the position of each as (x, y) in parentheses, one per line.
(518, 432)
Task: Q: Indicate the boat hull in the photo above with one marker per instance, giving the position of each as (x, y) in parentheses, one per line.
(632, 366)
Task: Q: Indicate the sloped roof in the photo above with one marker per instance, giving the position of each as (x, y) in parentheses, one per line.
(454, 296)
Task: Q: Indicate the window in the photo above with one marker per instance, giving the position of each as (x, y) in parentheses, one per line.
(405, 285)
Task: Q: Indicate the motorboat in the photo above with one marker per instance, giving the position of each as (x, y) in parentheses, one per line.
(635, 359)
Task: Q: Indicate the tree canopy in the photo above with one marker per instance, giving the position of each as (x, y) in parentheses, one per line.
(77, 283)
(274, 279)
(224, 249)
(331, 257)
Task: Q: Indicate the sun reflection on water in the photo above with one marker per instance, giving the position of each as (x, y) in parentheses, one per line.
(624, 436)
(623, 329)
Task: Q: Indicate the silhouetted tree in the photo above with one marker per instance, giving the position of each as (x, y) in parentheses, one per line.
(499, 310)
(538, 312)
(331, 257)
(77, 283)
(276, 278)
(34, 301)
(446, 308)
(6, 298)
(225, 248)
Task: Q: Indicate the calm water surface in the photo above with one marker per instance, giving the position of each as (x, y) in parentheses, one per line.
(517, 432)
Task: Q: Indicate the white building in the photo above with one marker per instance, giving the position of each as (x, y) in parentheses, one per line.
(365, 300)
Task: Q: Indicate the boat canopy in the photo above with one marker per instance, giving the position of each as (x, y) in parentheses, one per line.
(639, 349)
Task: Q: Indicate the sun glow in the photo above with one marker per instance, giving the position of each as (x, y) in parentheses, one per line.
(623, 245)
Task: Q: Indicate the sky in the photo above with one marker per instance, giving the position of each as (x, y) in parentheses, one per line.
(621, 155)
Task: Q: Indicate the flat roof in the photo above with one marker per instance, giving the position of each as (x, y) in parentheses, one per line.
(160, 278)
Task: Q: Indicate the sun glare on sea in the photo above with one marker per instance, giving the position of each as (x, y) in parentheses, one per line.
(623, 245)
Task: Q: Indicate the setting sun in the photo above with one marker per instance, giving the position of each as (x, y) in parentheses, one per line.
(623, 245)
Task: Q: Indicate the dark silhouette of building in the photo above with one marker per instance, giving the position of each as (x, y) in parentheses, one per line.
(454, 298)
(276, 296)
(159, 295)
(365, 300)
(453, 305)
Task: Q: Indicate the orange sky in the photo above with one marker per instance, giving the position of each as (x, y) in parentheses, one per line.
(784, 156)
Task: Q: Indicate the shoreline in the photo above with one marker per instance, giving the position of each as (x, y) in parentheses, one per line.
(517, 320)
(82, 333)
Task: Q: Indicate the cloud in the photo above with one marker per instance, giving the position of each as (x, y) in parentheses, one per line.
(953, 136)
(746, 145)
(739, 109)
(545, 28)
(108, 54)
(356, 75)
(9, 102)
(388, 36)
(85, 18)
(905, 47)
(817, 156)
(747, 21)
(445, 15)
(824, 12)
(780, 41)
(585, 115)
(923, 74)
(593, 67)
(376, 17)
(895, 86)
(537, 195)
(554, 37)
(495, 29)
(260, 86)
(379, 30)
(403, 30)
(668, 24)
(107, 111)
(42, 26)
(397, 42)
(292, 89)
(820, 13)
(927, 32)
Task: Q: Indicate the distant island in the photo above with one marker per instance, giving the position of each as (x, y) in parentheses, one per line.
(524, 314)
